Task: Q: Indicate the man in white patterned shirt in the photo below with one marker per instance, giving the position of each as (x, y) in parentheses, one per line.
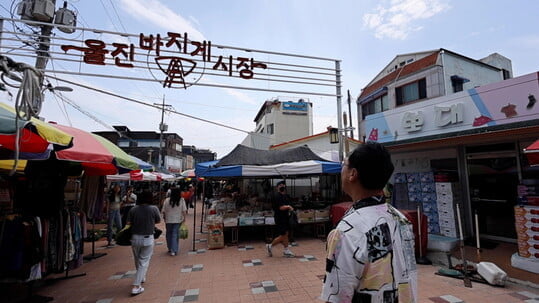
(370, 254)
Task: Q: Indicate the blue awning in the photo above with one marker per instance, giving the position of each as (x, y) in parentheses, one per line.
(309, 167)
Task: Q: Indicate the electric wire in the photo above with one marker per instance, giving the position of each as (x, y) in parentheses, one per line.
(148, 104)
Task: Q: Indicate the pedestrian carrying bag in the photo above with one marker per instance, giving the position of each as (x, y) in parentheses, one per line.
(123, 237)
(157, 232)
(292, 218)
(184, 231)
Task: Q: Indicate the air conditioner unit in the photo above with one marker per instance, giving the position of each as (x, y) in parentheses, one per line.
(24, 9)
(43, 10)
(67, 17)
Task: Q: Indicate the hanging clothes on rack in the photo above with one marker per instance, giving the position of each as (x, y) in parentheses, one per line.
(93, 196)
(20, 248)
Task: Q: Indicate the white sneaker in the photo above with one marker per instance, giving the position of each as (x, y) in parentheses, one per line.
(268, 248)
(137, 290)
(288, 253)
(172, 253)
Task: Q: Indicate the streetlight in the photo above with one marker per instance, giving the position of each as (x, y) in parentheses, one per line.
(333, 135)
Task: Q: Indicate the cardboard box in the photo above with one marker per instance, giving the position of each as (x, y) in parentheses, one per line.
(433, 229)
(446, 215)
(400, 178)
(414, 197)
(428, 197)
(445, 206)
(414, 187)
(321, 214)
(430, 207)
(230, 221)
(428, 187)
(444, 188)
(305, 216)
(412, 177)
(448, 223)
(259, 220)
(444, 197)
(448, 232)
(426, 177)
(245, 221)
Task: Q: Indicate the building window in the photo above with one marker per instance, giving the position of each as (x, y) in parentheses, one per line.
(377, 105)
(457, 84)
(270, 129)
(506, 74)
(412, 91)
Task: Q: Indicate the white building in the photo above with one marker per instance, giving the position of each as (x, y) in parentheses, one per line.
(280, 120)
(456, 129)
(420, 76)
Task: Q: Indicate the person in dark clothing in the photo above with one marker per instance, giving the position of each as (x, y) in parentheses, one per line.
(281, 208)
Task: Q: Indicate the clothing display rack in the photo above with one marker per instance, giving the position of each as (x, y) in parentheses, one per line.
(93, 255)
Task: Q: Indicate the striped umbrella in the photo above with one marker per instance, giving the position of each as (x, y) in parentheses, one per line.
(35, 136)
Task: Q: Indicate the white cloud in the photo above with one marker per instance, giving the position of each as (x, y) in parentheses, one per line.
(397, 20)
(160, 15)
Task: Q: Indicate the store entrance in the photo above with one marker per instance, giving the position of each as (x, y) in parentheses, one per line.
(493, 180)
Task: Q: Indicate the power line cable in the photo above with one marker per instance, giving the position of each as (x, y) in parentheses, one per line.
(149, 105)
(118, 16)
(83, 111)
(62, 109)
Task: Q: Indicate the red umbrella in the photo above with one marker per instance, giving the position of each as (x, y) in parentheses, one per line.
(97, 155)
(35, 136)
(532, 153)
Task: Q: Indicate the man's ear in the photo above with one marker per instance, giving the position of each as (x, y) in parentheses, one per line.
(354, 175)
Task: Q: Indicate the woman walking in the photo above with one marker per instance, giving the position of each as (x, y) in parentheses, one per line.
(174, 212)
(142, 219)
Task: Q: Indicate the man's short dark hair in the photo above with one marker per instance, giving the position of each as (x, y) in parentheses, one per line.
(283, 182)
(145, 197)
(373, 163)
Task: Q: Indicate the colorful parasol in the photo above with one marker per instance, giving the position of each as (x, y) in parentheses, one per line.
(35, 136)
(532, 153)
(189, 173)
(140, 175)
(97, 155)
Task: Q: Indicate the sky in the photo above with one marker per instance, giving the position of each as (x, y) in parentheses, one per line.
(365, 35)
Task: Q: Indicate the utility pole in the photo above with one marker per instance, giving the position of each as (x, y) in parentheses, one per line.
(43, 49)
(45, 11)
(339, 105)
(346, 128)
(162, 128)
(350, 114)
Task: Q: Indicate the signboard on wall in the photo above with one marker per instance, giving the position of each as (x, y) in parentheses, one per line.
(295, 106)
(499, 103)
